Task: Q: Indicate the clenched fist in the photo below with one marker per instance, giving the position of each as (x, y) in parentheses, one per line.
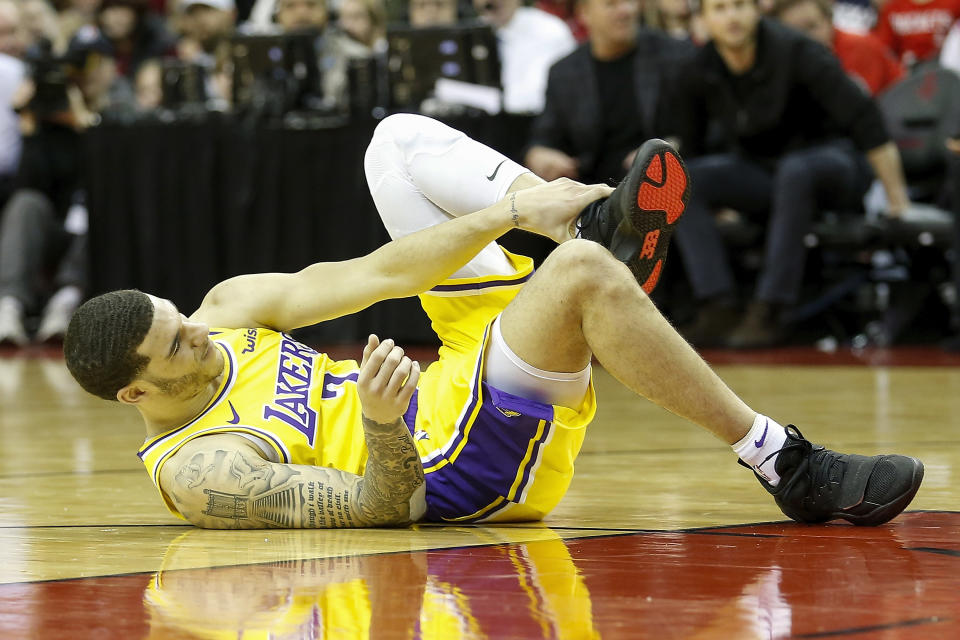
(387, 381)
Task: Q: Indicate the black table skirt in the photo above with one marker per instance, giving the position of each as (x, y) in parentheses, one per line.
(177, 207)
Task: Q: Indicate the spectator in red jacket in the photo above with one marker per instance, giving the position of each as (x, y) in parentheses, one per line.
(915, 29)
(865, 58)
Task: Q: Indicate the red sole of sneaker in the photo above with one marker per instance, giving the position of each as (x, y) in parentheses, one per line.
(661, 199)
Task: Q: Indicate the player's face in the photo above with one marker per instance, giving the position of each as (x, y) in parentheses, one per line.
(731, 23)
(611, 20)
(806, 17)
(183, 358)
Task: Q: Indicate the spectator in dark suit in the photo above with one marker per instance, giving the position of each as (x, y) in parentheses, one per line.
(606, 98)
(792, 130)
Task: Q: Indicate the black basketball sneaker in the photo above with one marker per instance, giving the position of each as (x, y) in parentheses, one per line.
(635, 222)
(818, 485)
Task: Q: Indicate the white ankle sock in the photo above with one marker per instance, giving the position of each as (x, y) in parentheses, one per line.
(764, 439)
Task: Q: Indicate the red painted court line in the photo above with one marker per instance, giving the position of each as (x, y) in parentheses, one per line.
(771, 580)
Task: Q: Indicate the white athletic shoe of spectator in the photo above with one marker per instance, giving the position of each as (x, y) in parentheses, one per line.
(11, 322)
(56, 316)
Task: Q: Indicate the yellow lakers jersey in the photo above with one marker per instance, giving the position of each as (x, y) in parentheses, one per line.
(299, 402)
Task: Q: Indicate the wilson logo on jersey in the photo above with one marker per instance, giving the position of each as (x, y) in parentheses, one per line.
(251, 341)
(291, 402)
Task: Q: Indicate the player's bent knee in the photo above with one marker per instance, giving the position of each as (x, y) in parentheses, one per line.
(582, 257)
(399, 126)
(588, 267)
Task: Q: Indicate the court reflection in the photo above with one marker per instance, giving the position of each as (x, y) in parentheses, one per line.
(531, 588)
(765, 581)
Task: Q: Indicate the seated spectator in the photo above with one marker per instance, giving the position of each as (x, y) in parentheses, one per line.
(855, 16)
(148, 86)
(43, 226)
(950, 52)
(914, 29)
(128, 33)
(41, 23)
(12, 47)
(433, 13)
(365, 21)
(207, 26)
(606, 98)
(76, 14)
(791, 129)
(676, 18)
(864, 57)
(530, 41)
(566, 10)
(334, 48)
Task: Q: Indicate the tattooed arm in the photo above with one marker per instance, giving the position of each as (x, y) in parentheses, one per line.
(222, 482)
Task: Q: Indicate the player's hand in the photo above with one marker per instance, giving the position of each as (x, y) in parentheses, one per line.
(550, 209)
(953, 144)
(386, 382)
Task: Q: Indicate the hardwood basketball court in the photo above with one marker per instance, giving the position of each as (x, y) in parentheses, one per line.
(662, 534)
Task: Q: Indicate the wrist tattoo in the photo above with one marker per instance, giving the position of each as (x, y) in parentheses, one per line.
(514, 214)
(393, 471)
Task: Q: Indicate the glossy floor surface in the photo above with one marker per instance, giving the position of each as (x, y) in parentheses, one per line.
(661, 535)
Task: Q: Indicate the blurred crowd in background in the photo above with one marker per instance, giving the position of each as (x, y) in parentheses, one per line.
(783, 109)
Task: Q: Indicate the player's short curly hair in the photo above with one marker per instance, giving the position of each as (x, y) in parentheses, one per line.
(101, 342)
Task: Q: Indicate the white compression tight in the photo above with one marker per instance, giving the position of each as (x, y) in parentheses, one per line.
(421, 173)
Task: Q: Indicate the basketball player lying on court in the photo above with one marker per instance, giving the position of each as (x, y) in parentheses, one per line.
(248, 428)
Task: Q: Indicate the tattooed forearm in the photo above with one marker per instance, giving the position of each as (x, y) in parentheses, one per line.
(237, 489)
(392, 475)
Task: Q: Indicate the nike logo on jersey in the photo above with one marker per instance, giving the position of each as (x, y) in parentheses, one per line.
(763, 438)
(236, 416)
(494, 174)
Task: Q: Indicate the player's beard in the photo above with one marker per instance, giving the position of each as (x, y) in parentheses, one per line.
(184, 386)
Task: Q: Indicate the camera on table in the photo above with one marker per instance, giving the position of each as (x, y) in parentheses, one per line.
(276, 74)
(183, 85)
(422, 60)
(52, 75)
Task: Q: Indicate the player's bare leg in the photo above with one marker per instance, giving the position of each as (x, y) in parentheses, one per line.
(583, 302)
